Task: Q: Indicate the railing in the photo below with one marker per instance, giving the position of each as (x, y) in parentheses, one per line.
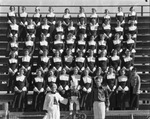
(140, 9)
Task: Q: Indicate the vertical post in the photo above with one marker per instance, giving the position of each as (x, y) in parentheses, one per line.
(5, 108)
(141, 10)
(18, 10)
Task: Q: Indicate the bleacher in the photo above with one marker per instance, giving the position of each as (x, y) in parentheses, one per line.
(142, 63)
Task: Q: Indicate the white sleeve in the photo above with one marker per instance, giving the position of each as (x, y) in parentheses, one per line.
(62, 100)
(46, 102)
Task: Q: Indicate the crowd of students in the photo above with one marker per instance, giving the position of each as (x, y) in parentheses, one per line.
(72, 55)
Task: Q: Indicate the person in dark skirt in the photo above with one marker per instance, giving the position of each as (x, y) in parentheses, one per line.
(20, 89)
(13, 30)
(45, 29)
(91, 63)
(51, 17)
(29, 45)
(132, 16)
(94, 15)
(115, 61)
(23, 23)
(11, 15)
(86, 86)
(63, 87)
(120, 16)
(106, 17)
(57, 63)
(135, 86)
(31, 29)
(68, 61)
(111, 80)
(80, 62)
(38, 91)
(122, 91)
(12, 70)
(51, 79)
(81, 16)
(66, 17)
(44, 63)
(13, 46)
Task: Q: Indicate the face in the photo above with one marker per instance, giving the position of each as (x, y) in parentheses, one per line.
(111, 70)
(129, 36)
(71, 23)
(39, 73)
(69, 52)
(54, 88)
(12, 8)
(59, 23)
(23, 9)
(122, 72)
(51, 73)
(93, 11)
(115, 52)
(91, 53)
(98, 81)
(86, 72)
(14, 21)
(64, 71)
(66, 11)
(99, 71)
(81, 10)
(45, 21)
(119, 9)
(37, 10)
(50, 9)
(14, 39)
(13, 55)
(21, 71)
(106, 11)
(26, 52)
(57, 53)
(45, 53)
(81, 36)
(75, 71)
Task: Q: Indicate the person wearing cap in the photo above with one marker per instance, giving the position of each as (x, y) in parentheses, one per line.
(13, 64)
(120, 16)
(23, 23)
(51, 103)
(20, 89)
(135, 85)
(122, 90)
(38, 91)
(86, 89)
(100, 99)
(63, 82)
(132, 16)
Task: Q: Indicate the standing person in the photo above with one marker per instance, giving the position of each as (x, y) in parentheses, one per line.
(135, 89)
(11, 15)
(51, 103)
(100, 99)
(38, 95)
(20, 88)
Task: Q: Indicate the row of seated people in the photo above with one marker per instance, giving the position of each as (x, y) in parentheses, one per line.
(76, 87)
(75, 46)
(35, 26)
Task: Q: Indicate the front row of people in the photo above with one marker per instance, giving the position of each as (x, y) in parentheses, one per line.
(116, 92)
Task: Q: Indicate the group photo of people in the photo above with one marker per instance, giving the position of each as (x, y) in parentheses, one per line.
(84, 60)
